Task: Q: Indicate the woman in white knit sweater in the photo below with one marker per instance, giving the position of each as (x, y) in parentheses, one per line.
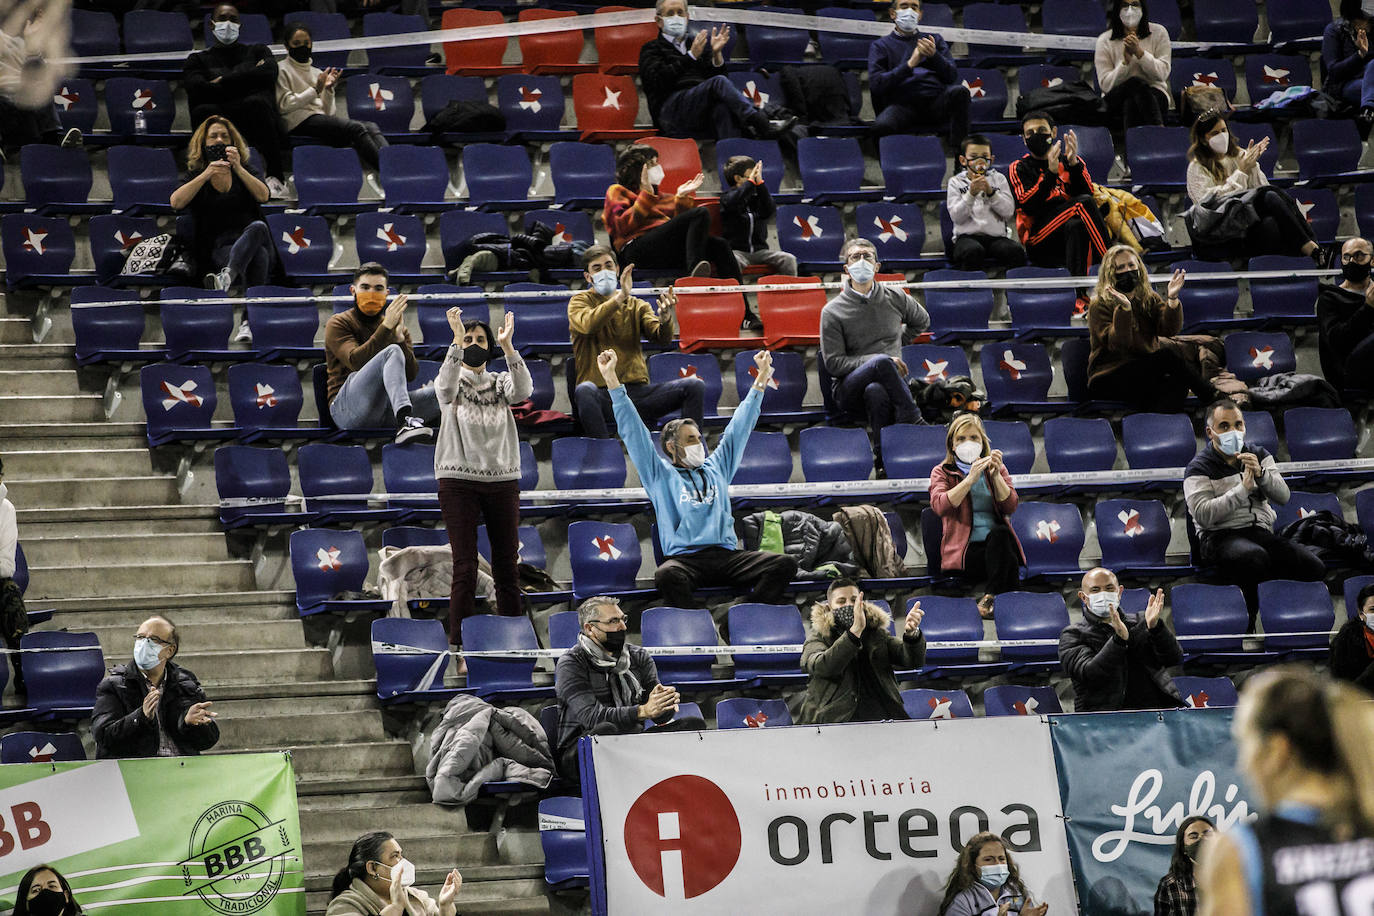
(1133, 59)
(1219, 169)
(305, 98)
(477, 461)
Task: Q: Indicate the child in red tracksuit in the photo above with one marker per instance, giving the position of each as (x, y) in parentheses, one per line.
(1056, 216)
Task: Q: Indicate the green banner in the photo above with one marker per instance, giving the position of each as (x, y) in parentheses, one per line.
(169, 836)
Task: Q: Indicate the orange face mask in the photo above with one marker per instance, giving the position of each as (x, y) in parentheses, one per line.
(370, 302)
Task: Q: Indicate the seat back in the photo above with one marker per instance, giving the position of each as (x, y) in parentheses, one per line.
(325, 562)
(413, 174)
(403, 57)
(410, 655)
(617, 47)
(921, 703)
(747, 712)
(496, 173)
(911, 450)
(409, 469)
(177, 397)
(1286, 606)
(707, 316)
(457, 226)
(63, 681)
(41, 747)
(550, 52)
(530, 102)
(767, 459)
(604, 557)
(1301, 505)
(154, 30)
(670, 367)
(201, 325)
(1033, 307)
(325, 175)
(898, 231)
(830, 164)
(563, 836)
(35, 246)
(325, 27)
(1158, 440)
(931, 362)
(794, 312)
(1015, 372)
(140, 176)
(1319, 433)
(1030, 615)
(386, 101)
(394, 240)
(304, 243)
(488, 632)
(1158, 156)
(563, 630)
(955, 308)
(53, 175)
(1285, 298)
(1013, 439)
(245, 472)
(290, 320)
(580, 462)
(1132, 532)
(126, 96)
(414, 536)
(949, 620)
(1266, 74)
(1252, 355)
(581, 171)
(1079, 444)
(478, 54)
(766, 625)
(1206, 692)
(1051, 536)
(1015, 700)
(987, 89)
(835, 453)
(1204, 615)
(671, 626)
(116, 323)
(334, 470)
(813, 234)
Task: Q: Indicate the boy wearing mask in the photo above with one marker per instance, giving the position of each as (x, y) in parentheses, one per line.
(980, 204)
(1056, 217)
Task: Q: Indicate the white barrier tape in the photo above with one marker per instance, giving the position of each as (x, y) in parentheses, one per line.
(823, 488)
(541, 294)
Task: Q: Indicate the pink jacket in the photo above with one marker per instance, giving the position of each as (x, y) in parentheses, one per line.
(958, 520)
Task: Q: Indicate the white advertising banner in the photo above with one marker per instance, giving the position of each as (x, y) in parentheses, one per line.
(864, 818)
(64, 815)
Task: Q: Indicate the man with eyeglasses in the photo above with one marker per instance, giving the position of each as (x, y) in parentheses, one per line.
(862, 330)
(606, 686)
(152, 708)
(1345, 317)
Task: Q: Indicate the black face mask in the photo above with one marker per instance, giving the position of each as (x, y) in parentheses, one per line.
(474, 355)
(1124, 282)
(614, 641)
(1190, 850)
(1355, 273)
(48, 902)
(300, 53)
(1039, 144)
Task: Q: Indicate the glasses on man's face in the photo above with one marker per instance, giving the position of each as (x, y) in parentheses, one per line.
(160, 643)
(613, 623)
(861, 256)
(1355, 257)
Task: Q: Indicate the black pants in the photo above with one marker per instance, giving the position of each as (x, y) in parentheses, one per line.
(1074, 237)
(496, 503)
(1158, 382)
(1249, 556)
(1359, 366)
(570, 769)
(21, 126)
(994, 559)
(1137, 104)
(976, 251)
(766, 574)
(680, 243)
(947, 110)
(1281, 229)
(257, 119)
(363, 136)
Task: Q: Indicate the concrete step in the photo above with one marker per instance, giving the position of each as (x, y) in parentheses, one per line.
(293, 705)
(49, 582)
(31, 435)
(120, 617)
(258, 666)
(179, 602)
(38, 382)
(65, 408)
(95, 492)
(381, 760)
(208, 637)
(190, 518)
(304, 691)
(448, 847)
(300, 729)
(59, 354)
(350, 785)
(78, 462)
(19, 330)
(109, 548)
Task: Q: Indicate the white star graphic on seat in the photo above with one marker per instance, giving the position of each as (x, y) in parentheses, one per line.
(935, 369)
(612, 98)
(33, 240)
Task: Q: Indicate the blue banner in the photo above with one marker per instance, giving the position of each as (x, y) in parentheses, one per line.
(1127, 781)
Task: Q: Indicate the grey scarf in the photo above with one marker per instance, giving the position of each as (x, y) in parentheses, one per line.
(625, 688)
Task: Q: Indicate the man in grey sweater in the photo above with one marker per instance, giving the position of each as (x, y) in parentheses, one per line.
(861, 341)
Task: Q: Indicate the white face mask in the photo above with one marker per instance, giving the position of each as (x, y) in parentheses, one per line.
(1231, 442)
(694, 455)
(407, 868)
(1220, 143)
(908, 19)
(968, 451)
(1101, 604)
(656, 175)
(1369, 621)
(861, 271)
(1130, 16)
(674, 27)
(604, 282)
(226, 32)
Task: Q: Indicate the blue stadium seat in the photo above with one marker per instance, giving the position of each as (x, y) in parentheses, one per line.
(1017, 378)
(1134, 537)
(1353, 586)
(385, 101)
(94, 35)
(1286, 607)
(148, 31)
(126, 95)
(1073, 17)
(1030, 615)
(76, 106)
(848, 52)
(325, 562)
(1051, 535)
(663, 627)
(771, 47)
(260, 474)
(1364, 510)
(414, 536)
(1044, 311)
(1321, 434)
(584, 463)
(921, 703)
(758, 87)
(112, 237)
(1013, 437)
(1208, 304)
(563, 630)
(1073, 361)
(326, 27)
(1015, 700)
(305, 246)
(284, 326)
(498, 177)
(784, 397)
(1227, 22)
(329, 180)
(396, 241)
(1045, 76)
(179, 402)
(911, 450)
(1206, 692)
(669, 367)
(1284, 302)
(267, 402)
(1208, 620)
(109, 333)
(952, 620)
(1158, 440)
(411, 657)
(929, 362)
(533, 106)
(958, 313)
(41, 747)
(1328, 151)
(747, 712)
(531, 551)
(767, 625)
(898, 231)
(61, 685)
(831, 453)
(767, 459)
(581, 173)
(1302, 504)
(1260, 430)
(995, 17)
(832, 170)
(57, 181)
(142, 180)
(1079, 444)
(1322, 212)
(438, 89)
(541, 322)
(501, 679)
(564, 846)
(198, 331)
(568, 226)
(436, 335)
(1364, 209)
(1201, 71)
(987, 96)
(408, 475)
(1266, 74)
(39, 251)
(813, 234)
(605, 559)
(913, 167)
(1253, 355)
(405, 60)
(328, 469)
(1158, 157)
(456, 226)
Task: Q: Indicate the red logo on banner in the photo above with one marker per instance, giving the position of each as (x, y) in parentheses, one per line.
(689, 816)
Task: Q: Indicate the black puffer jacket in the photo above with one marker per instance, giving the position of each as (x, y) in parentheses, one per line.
(120, 728)
(809, 540)
(1342, 546)
(1099, 663)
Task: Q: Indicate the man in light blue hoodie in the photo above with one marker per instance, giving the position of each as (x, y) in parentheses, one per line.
(690, 495)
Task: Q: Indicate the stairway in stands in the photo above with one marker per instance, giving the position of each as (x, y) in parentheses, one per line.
(110, 540)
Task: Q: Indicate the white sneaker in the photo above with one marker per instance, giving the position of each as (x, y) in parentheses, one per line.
(413, 428)
(244, 333)
(276, 188)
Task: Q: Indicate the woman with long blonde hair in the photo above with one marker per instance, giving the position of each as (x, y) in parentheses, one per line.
(1305, 743)
(986, 881)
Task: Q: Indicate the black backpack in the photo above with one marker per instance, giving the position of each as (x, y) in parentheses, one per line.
(465, 116)
(1071, 102)
(816, 93)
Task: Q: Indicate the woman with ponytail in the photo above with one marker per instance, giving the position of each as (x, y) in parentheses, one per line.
(1305, 743)
(379, 881)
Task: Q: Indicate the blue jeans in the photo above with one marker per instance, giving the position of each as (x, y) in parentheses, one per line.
(249, 258)
(372, 396)
(652, 402)
(876, 390)
(716, 106)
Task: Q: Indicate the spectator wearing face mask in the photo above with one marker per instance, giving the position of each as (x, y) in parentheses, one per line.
(1118, 661)
(43, 891)
(380, 881)
(1133, 58)
(986, 881)
(1177, 891)
(1056, 217)
(1345, 319)
(239, 82)
(1347, 65)
(1352, 649)
(862, 332)
(305, 97)
(1137, 354)
(1228, 488)
(913, 80)
(980, 203)
(608, 316)
(690, 493)
(153, 707)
